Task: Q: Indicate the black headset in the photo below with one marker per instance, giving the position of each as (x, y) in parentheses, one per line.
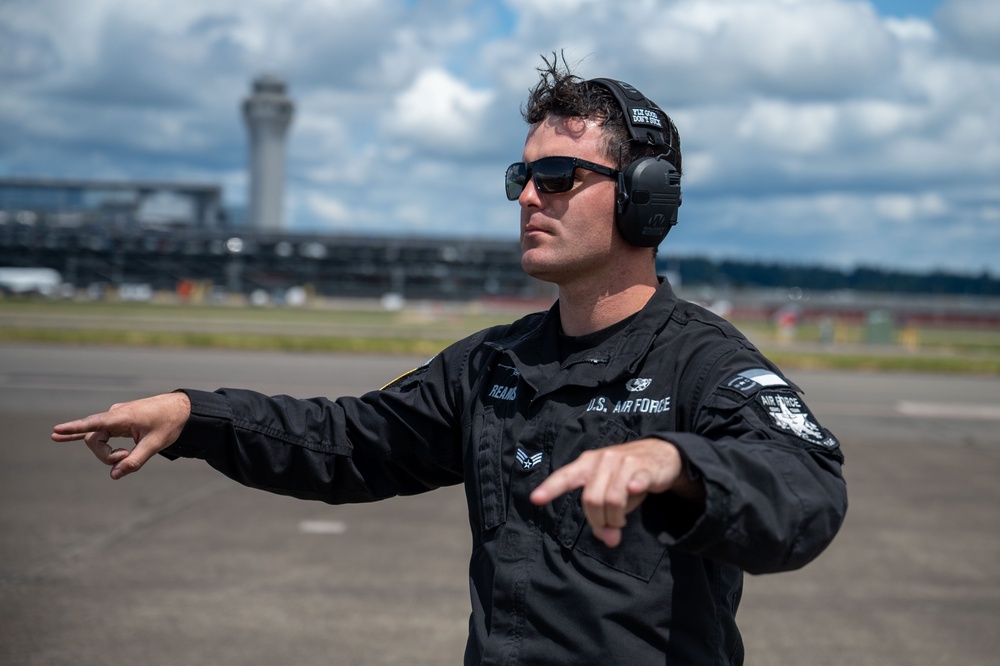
(649, 189)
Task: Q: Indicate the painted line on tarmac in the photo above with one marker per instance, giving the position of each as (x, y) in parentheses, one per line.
(943, 410)
(322, 527)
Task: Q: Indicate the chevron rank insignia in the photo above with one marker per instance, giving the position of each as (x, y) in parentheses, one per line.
(527, 462)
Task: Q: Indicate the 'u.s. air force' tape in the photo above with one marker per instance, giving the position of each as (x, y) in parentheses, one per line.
(749, 382)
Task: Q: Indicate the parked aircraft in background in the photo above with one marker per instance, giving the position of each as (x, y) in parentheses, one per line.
(45, 281)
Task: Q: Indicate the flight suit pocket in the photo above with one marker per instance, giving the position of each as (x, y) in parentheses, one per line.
(488, 466)
(640, 551)
(644, 537)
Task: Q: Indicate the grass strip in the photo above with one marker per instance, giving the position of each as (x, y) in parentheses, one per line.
(242, 341)
(788, 359)
(964, 365)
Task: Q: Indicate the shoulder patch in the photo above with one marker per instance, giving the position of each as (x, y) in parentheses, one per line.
(410, 375)
(788, 413)
(749, 382)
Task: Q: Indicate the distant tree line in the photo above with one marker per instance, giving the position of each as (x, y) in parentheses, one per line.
(697, 271)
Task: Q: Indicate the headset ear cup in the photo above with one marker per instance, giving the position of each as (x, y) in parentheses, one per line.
(649, 194)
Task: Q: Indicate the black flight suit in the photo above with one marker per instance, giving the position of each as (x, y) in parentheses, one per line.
(501, 409)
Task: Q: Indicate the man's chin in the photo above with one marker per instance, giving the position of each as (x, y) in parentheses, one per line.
(537, 267)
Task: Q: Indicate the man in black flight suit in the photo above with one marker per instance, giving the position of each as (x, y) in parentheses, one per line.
(626, 455)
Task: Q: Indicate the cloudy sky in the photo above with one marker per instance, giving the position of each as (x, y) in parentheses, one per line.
(840, 132)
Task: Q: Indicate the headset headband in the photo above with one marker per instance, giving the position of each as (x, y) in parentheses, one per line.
(646, 122)
(649, 187)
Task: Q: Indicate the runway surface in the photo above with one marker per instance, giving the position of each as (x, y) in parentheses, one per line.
(177, 565)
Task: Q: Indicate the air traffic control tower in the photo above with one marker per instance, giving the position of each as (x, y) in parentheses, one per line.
(268, 113)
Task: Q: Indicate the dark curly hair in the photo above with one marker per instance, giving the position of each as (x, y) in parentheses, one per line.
(559, 92)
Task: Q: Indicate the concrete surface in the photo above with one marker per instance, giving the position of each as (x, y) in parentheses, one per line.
(177, 565)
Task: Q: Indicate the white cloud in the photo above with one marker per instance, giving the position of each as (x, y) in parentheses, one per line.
(973, 26)
(332, 211)
(413, 215)
(876, 119)
(906, 207)
(911, 29)
(811, 128)
(439, 111)
(838, 229)
(804, 128)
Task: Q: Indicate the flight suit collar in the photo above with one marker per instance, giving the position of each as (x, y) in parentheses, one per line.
(534, 350)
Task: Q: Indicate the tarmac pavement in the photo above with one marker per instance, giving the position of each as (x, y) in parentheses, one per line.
(178, 565)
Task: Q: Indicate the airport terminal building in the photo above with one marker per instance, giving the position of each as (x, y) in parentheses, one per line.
(167, 235)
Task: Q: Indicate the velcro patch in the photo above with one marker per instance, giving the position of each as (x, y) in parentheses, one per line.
(749, 382)
(408, 377)
(644, 116)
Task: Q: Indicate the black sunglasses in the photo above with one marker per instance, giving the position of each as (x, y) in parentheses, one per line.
(550, 174)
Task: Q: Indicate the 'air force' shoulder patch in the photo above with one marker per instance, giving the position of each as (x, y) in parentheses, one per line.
(788, 413)
(777, 400)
